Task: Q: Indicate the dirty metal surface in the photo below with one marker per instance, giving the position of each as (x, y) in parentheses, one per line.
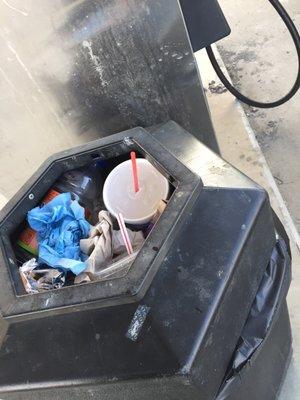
(93, 68)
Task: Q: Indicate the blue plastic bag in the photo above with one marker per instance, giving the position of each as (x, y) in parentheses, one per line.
(60, 224)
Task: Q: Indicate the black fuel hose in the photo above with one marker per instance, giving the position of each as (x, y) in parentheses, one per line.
(296, 38)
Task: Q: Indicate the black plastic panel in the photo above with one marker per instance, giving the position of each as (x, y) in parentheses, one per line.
(205, 22)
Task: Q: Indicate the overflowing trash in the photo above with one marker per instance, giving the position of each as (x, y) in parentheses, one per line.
(38, 280)
(74, 237)
(85, 184)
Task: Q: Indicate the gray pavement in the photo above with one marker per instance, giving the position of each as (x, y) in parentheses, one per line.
(260, 57)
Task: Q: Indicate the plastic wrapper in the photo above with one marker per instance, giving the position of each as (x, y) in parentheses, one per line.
(37, 280)
(60, 224)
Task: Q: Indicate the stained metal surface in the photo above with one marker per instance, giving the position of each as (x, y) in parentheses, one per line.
(213, 170)
(75, 70)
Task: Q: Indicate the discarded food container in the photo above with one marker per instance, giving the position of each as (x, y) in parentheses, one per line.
(168, 326)
(137, 207)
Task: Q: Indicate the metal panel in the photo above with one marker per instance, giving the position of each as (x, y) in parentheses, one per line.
(90, 68)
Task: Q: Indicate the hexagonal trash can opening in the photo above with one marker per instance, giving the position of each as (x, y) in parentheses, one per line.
(134, 274)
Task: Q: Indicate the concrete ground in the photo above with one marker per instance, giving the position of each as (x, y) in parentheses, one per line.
(262, 62)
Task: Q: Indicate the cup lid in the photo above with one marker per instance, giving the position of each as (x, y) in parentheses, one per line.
(119, 195)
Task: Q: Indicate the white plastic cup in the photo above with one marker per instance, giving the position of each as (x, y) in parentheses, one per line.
(119, 195)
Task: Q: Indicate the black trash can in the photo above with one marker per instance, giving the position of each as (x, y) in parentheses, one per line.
(169, 326)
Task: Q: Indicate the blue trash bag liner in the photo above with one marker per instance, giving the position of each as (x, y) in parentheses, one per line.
(60, 224)
(273, 287)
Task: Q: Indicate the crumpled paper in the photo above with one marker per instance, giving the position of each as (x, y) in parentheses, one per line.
(103, 245)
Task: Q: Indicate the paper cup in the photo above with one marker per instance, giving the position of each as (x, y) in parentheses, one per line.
(119, 195)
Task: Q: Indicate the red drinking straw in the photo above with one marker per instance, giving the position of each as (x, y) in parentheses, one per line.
(124, 233)
(134, 172)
